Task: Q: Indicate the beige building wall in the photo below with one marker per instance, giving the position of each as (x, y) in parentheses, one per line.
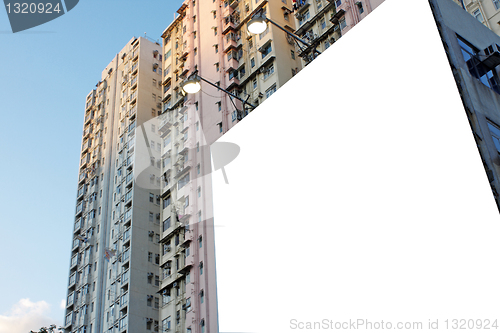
(485, 11)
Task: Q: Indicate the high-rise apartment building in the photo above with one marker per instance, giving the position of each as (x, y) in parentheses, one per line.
(474, 57)
(322, 22)
(143, 255)
(114, 270)
(485, 11)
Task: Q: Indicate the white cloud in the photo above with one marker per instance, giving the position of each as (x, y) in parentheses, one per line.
(62, 305)
(26, 315)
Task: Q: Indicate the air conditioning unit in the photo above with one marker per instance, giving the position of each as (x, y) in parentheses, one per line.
(168, 248)
(150, 274)
(149, 320)
(332, 40)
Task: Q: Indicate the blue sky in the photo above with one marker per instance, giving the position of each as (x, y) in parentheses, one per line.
(46, 74)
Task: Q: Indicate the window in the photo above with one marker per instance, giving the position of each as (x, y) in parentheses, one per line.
(360, 7)
(342, 23)
(199, 195)
(270, 91)
(194, 19)
(202, 323)
(194, 34)
(252, 62)
(286, 16)
(183, 181)
(496, 3)
(304, 17)
(215, 31)
(201, 268)
(166, 202)
(166, 224)
(168, 54)
(269, 71)
(216, 66)
(487, 76)
(220, 127)
(149, 300)
(495, 135)
(266, 50)
(338, 3)
(150, 256)
(151, 197)
(254, 83)
(198, 168)
(322, 24)
(216, 48)
(219, 105)
(292, 54)
(477, 14)
(200, 242)
(202, 296)
(157, 259)
(150, 278)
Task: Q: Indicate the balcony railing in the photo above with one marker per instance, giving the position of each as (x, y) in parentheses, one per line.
(130, 176)
(124, 299)
(126, 234)
(128, 196)
(128, 214)
(125, 276)
(125, 255)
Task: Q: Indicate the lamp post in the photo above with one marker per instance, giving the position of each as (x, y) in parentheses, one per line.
(258, 24)
(193, 84)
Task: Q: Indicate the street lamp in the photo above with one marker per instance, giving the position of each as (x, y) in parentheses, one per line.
(258, 24)
(193, 84)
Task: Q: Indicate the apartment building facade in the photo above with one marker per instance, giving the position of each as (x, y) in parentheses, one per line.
(485, 11)
(114, 270)
(322, 22)
(474, 57)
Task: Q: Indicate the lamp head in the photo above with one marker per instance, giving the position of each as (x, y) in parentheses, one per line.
(191, 85)
(257, 24)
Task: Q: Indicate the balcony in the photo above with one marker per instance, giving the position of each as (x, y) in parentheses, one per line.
(76, 243)
(166, 121)
(123, 300)
(81, 192)
(189, 262)
(132, 111)
(233, 3)
(82, 177)
(128, 215)
(79, 208)
(133, 98)
(75, 260)
(129, 178)
(125, 256)
(125, 277)
(72, 280)
(126, 235)
(78, 225)
(231, 41)
(230, 23)
(128, 196)
(134, 68)
(133, 83)
(123, 323)
(70, 319)
(72, 298)
(232, 64)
